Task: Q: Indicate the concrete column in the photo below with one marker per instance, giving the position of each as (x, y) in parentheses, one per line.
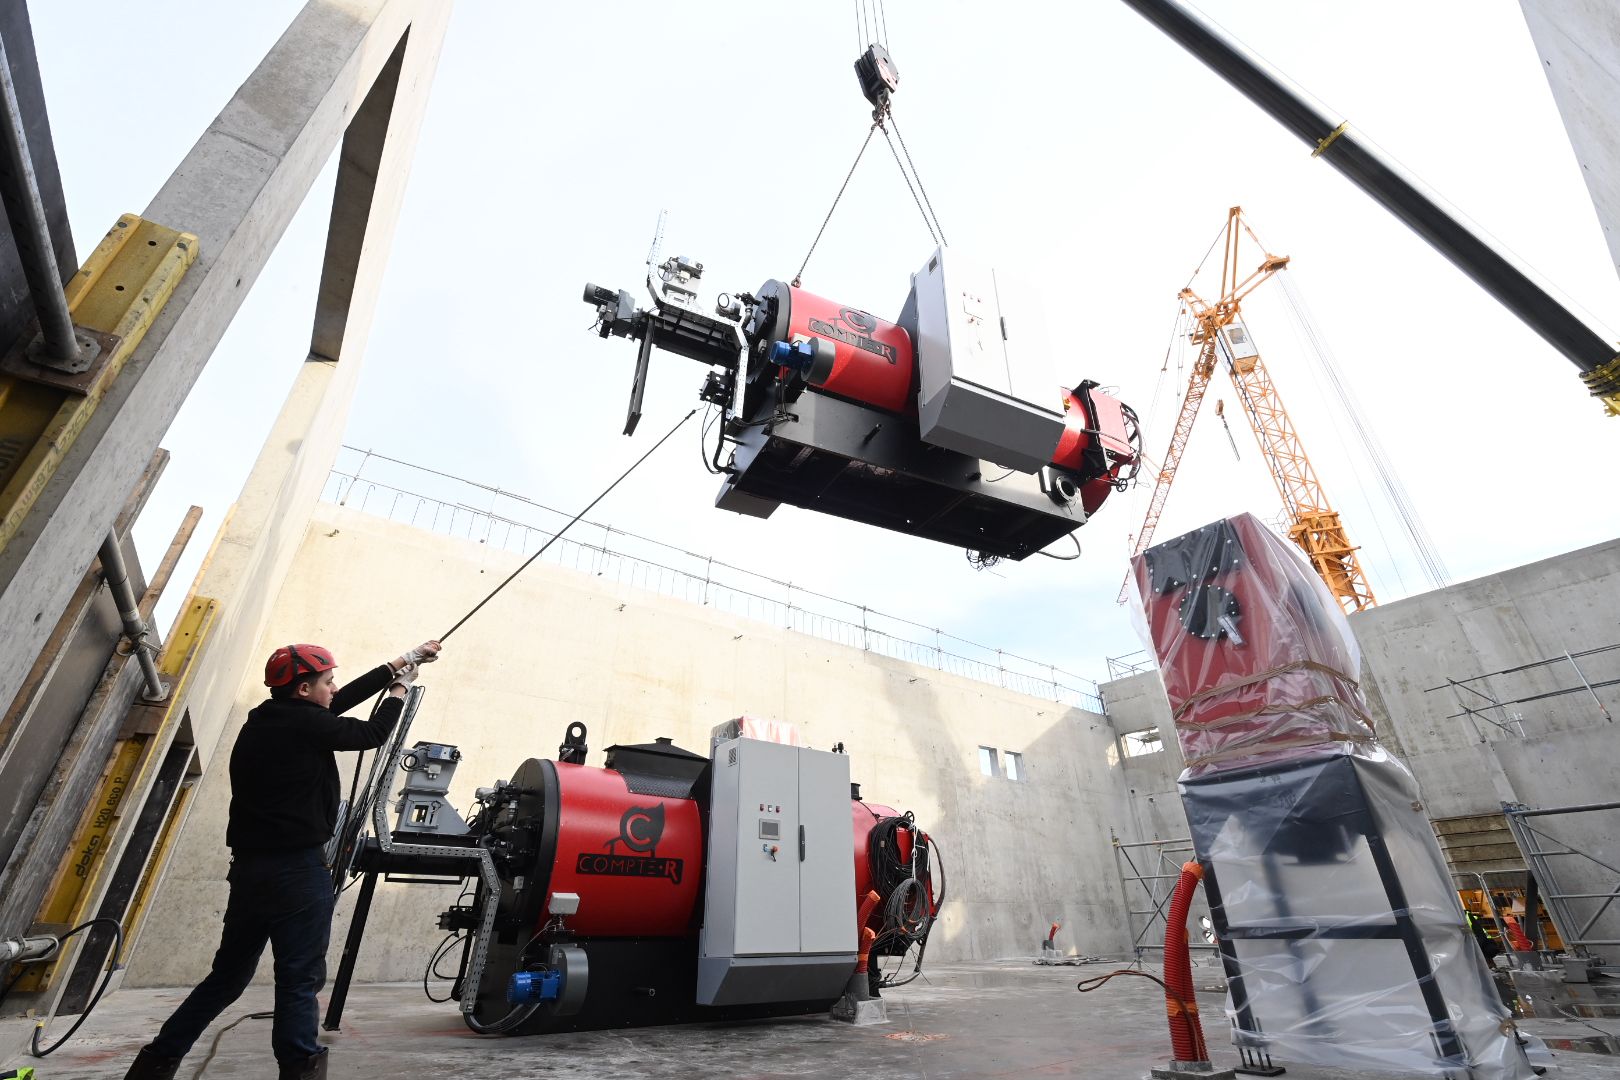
(237, 190)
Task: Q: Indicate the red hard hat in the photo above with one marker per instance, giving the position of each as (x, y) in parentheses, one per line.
(290, 661)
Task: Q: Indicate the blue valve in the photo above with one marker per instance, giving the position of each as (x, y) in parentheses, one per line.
(533, 987)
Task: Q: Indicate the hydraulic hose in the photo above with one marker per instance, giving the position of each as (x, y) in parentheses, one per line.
(1180, 1000)
(868, 935)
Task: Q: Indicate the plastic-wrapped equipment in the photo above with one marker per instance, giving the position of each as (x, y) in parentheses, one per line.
(1343, 940)
(1258, 661)
(751, 727)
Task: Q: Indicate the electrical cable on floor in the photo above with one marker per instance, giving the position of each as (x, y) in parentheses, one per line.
(1086, 986)
(558, 535)
(213, 1047)
(112, 966)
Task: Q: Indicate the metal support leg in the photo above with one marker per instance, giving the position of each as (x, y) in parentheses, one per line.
(351, 950)
(19, 190)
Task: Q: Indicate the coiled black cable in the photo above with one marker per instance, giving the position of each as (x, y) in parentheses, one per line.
(907, 886)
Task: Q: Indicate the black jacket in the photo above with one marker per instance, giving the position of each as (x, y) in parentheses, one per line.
(284, 778)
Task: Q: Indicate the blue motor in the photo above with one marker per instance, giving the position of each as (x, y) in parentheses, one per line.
(534, 987)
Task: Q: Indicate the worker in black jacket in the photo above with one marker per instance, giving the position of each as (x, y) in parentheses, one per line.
(284, 804)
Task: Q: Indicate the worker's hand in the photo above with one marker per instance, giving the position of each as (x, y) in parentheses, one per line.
(403, 678)
(425, 653)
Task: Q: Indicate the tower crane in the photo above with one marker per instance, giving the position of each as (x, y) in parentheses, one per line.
(1220, 333)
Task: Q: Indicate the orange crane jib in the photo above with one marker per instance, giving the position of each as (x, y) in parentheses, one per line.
(1219, 330)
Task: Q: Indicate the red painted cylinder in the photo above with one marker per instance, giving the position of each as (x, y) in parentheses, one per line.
(1097, 423)
(873, 362)
(865, 816)
(1081, 429)
(636, 861)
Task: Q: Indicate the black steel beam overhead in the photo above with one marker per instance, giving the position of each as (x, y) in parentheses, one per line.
(1332, 138)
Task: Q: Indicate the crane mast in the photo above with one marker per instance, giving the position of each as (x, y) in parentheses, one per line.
(1219, 332)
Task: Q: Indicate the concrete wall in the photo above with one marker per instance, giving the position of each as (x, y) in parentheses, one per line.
(560, 646)
(1531, 613)
(1579, 45)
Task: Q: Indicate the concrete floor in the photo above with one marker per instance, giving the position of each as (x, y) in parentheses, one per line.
(1003, 1019)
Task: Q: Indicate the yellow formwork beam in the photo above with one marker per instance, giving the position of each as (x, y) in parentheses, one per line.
(86, 859)
(120, 290)
(177, 662)
(131, 766)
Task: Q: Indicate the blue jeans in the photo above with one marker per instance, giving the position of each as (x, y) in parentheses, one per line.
(283, 898)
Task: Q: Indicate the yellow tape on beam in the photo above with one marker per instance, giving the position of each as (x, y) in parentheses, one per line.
(120, 290)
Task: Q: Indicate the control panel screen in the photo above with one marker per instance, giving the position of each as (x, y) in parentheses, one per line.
(770, 830)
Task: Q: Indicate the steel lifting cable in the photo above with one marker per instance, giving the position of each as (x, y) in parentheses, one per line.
(558, 535)
(824, 221)
(868, 14)
(926, 223)
(918, 175)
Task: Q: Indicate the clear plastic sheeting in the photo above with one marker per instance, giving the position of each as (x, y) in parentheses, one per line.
(749, 727)
(1343, 940)
(1258, 662)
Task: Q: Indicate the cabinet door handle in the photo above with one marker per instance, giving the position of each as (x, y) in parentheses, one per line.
(801, 843)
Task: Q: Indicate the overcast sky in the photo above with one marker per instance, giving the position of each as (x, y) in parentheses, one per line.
(1071, 142)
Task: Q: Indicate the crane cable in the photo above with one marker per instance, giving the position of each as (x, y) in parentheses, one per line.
(918, 175)
(868, 15)
(824, 221)
(1389, 478)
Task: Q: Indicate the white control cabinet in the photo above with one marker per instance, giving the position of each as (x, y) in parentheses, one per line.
(987, 383)
(779, 888)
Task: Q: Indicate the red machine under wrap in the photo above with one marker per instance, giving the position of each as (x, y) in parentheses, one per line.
(1255, 664)
(873, 362)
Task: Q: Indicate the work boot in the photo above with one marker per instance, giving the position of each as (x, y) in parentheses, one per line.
(149, 1066)
(310, 1068)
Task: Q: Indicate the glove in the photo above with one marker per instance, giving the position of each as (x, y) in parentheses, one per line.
(425, 653)
(404, 677)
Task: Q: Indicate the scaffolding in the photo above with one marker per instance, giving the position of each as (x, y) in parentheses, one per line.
(1540, 848)
(1152, 867)
(1480, 704)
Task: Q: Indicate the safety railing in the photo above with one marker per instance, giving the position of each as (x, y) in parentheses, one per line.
(1133, 663)
(511, 523)
(1580, 703)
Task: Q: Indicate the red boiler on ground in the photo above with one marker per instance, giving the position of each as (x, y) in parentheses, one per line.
(607, 865)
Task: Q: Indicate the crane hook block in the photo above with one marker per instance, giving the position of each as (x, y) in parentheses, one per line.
(878, 76)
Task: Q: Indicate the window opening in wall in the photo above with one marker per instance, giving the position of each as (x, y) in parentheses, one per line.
(1146, 741)
(987, 761)
(1015, 765)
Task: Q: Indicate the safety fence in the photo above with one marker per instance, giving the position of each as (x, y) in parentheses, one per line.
(513, 523)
